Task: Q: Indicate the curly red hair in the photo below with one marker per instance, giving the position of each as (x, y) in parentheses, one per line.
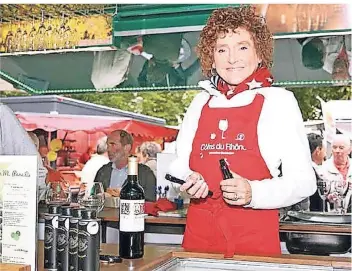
(225, 19)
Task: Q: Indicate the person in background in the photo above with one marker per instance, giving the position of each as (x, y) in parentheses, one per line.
(317, 149)
(97, 160)
(318, 154)
(43, 151)
(14, 140)
(148, 153)
(138, 154)
(114, 174)
(240, 117)
(35, 139)
(339, 170)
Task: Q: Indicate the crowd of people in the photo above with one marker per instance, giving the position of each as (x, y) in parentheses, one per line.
(334, 175)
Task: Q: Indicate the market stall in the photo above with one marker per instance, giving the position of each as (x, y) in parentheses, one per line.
(71, 62)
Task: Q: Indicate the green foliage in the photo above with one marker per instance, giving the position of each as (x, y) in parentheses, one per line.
(169, 105)
(310, 105)
(172, 105)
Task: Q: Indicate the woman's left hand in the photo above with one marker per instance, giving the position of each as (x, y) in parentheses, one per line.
(236, 191)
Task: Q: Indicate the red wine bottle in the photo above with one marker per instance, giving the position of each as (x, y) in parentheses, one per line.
(132, 201)
(225, 169)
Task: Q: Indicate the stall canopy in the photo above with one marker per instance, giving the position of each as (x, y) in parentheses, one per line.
(167, 35)
(93, 124)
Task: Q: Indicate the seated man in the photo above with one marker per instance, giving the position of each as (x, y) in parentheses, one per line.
(114, 174)
(339, 171)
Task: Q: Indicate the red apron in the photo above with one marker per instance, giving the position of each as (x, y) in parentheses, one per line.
(213, 226)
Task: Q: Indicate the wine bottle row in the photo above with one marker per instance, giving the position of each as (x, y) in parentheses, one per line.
(71, 239)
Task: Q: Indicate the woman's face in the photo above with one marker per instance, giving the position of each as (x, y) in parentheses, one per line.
(235, 57)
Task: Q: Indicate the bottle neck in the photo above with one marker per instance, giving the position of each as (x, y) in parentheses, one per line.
(132, 178)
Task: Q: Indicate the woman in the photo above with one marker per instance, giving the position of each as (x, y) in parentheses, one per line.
(256, 127)
(147, 154)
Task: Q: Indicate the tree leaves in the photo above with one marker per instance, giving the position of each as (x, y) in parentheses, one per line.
(172, 105)
(309, 104)
(169, 105)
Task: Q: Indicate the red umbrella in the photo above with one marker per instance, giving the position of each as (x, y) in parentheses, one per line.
(143, 129)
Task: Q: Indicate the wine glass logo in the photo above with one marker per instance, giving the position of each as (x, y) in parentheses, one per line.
(223, 125)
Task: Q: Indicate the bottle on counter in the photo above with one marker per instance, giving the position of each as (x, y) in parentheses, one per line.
(88, 241)
(50, 237)
(131, 231)
(62, 239)
(73, 238)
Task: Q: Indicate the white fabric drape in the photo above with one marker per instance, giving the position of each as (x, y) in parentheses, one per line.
(110, 68)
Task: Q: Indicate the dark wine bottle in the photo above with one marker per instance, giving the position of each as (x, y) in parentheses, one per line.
(62, 256)
(88, 241)
(225, 169)
(50, 237)
(132, 214)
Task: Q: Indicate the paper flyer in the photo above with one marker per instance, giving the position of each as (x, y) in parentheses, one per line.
(18, 209)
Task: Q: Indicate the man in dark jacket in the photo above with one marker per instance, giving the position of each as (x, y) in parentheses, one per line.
(114, 174)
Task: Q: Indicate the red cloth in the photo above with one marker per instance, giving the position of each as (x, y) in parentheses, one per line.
(162, 204)
(84, 158)
(260, 78)
(54, 175)
(212, 225)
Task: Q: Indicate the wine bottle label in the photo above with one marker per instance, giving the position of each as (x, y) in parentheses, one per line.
(73, 239)
(132, 215)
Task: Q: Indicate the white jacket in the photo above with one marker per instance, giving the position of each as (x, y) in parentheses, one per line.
(91, 168)
(281, 138)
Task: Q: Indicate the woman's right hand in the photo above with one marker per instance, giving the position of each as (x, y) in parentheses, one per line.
(199, 189)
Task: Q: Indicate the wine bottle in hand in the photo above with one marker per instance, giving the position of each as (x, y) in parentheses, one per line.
(225, 169)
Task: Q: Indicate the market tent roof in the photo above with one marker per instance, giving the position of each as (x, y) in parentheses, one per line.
(93, 124)
(63, 105)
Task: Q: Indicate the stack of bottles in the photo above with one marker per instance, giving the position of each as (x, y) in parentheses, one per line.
(71, 239)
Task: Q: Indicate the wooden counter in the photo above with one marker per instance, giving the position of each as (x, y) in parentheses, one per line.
(159, 224)
(153, 255)
(14, 267)
(156, 255)
(111, 215)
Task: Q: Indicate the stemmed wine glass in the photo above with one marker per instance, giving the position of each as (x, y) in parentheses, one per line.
(340, 189)
(223, 125)
(58, 193)
(91, 196)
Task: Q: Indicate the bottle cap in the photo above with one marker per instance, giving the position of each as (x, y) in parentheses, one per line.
(89, 214)
(132, 165)
(66, 210)
(223, 162)
(54, 209)
(77, 212)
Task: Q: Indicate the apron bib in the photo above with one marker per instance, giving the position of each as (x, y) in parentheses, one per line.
(213, 226)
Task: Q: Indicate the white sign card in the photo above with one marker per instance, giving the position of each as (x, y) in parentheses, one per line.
(18, 209)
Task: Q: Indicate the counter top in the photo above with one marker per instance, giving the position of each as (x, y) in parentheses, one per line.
(156, 255)
(111, 215)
